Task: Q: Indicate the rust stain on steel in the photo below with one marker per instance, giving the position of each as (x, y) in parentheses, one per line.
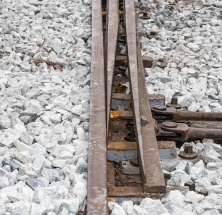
(111, 45)
(205, 133)
(206, 124)
(97, 182)
(186, 115)
(166, 145)
(150, 167)
(121, 146)
(156, 96)
(115, 114)
(138, 192)
(184, 132)
(121, 114)
(124, 146)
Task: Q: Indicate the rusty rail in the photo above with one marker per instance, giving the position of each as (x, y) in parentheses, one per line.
(103, 65)
(150, 167)
(97, 179)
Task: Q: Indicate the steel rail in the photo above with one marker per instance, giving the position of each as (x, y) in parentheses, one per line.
(97, 169)
(150, 167)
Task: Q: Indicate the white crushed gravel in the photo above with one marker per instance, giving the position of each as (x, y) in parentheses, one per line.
(189, 39)
(45, 54)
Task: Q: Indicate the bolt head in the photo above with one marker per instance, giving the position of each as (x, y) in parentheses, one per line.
(188, 156)
(169, 124)
(153, 33)
(174, 100)
(188, 148)
(159, 107)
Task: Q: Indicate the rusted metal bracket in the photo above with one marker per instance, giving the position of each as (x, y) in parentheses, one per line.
(177, 115)
(182, 132)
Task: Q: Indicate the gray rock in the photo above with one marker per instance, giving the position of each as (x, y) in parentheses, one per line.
(34, 183)
(178, 178)
(127, 168)
(52, 174)
(81, 166)
(12, 163)
(42, 194)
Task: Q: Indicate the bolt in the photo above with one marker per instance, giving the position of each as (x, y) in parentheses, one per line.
(188, 152)
(174, 103)
(174, 100)
(169, 124)
(159, 107)
(145, 15)
(147, 62)
(188, 148)
(191, 185)
(153, 33)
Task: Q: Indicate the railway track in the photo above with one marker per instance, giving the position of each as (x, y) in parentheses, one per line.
(130, 130)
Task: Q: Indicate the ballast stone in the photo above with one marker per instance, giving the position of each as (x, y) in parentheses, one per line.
(77, 109)
(34, 183)
(116, 209)
(72, 205)
(178, 178)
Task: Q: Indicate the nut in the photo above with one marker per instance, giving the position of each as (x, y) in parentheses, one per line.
(188, 152)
